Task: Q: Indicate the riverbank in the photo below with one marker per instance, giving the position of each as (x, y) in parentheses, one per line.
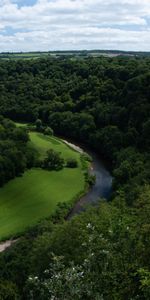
(73, 146)
(28, 199)
(101, 188)
(6, 244)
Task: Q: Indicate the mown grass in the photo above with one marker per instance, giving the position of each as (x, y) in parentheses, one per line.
(27, 199)
(43, 143)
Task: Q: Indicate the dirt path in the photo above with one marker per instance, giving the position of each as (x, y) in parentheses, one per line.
(6, 244)
(75, 147)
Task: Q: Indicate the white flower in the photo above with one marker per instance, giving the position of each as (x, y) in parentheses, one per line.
(89, 226)
(30, 278)
(81, 274)
(35, 277)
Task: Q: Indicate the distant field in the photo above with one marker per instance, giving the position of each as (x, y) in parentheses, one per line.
(28, 55)
(76, 54)
(27, 199)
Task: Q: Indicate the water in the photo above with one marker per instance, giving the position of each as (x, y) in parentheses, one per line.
(101, 189)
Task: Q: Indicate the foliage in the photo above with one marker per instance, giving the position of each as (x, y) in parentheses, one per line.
(71, 163)
(87, 257)
(53, 161)
(48, 131)
(38, 124)
(103, 265)
(8, 291)
(90, 179)
(15, 154)
(104, 103)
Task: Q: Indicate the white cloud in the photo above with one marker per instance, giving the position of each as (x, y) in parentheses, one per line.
(75, 24)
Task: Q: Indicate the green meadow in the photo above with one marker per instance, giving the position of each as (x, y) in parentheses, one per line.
(27, 199)
(43, 142)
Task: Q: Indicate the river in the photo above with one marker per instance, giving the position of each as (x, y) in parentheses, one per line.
(102, 187)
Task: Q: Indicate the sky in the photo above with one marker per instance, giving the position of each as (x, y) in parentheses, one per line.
(44, 25)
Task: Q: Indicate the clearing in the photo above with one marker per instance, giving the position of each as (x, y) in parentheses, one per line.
(27, 199)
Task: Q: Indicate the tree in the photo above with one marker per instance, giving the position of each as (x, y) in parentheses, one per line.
(48, 131)
(71, 163)
(53, 161)
(15, 153)
(38, 124)
(8, 291)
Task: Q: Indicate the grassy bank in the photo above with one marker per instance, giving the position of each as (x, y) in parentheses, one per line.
(42, 143)
(27, 199)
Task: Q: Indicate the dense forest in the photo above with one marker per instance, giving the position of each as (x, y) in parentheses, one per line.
(15, 153)
(104, 252)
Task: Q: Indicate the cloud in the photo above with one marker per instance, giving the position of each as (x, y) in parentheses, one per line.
(74, 24)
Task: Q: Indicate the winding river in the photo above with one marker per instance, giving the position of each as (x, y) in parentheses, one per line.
(101, 188)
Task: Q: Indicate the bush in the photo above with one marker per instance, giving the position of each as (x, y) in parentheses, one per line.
(31, 127)
(72, 163)
(38, 124)
(8, 291)
(53, 161)
(48, 131)
(90, 179)
(87, 157)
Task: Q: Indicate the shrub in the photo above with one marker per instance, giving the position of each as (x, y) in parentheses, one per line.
(48, 131)
(87, 157)
(72, 163)
(38, 124)
(90, 179)
(53, 161)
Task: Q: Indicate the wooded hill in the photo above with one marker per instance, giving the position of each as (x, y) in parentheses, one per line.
(104, 252)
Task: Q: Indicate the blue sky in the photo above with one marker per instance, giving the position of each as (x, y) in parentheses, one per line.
(21, 3)
(32, 25)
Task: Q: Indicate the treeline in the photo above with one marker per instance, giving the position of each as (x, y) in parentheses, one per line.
(15, 153)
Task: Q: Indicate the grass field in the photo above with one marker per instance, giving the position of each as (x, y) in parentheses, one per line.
(43, 143)
(25, 55)
(27, 199)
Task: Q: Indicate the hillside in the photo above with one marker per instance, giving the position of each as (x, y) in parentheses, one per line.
(103, 253)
